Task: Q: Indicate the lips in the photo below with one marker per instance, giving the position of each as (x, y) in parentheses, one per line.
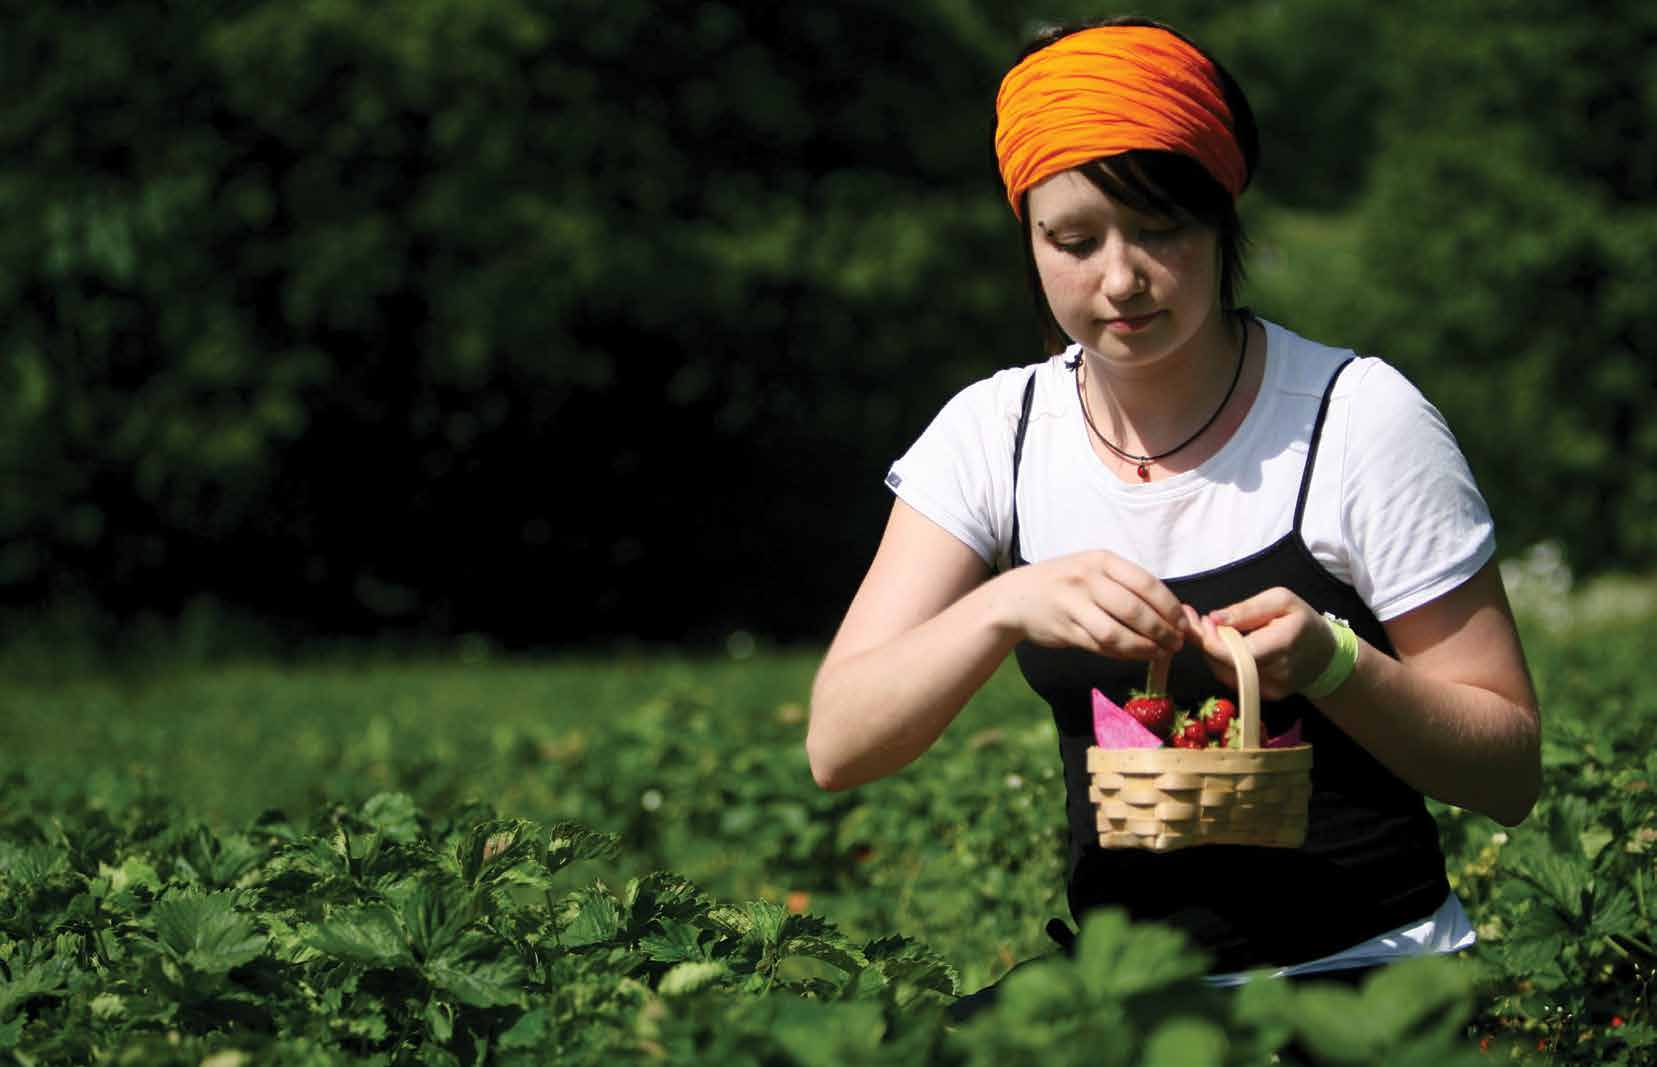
(1132, 324)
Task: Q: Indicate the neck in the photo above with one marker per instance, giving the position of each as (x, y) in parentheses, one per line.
(1147, 409)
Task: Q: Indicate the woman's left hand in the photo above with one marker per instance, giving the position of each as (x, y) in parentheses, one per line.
(1291, 642)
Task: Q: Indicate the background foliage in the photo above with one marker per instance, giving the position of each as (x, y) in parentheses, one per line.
(556, 320)
(364, 862)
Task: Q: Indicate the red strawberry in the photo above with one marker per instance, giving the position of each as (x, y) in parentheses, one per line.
(1189, 732)
(1217, 714)
(1154, 711)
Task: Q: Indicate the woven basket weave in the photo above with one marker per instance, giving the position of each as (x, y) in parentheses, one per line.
(1167, 798)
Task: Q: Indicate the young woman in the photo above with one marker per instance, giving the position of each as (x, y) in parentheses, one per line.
(1181, 464)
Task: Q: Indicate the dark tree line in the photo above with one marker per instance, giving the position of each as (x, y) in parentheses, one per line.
(566, 320)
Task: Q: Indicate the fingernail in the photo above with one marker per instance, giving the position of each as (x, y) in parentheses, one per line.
(1218, 618)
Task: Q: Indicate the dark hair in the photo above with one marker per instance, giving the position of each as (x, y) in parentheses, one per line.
(1159, 182)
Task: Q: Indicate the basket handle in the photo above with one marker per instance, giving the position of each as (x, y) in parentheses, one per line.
(1248, 685)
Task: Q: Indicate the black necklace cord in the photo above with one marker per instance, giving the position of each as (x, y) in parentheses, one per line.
(1144, 473)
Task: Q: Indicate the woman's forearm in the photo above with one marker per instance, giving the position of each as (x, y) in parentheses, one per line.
(876, 710)
(1454, 741)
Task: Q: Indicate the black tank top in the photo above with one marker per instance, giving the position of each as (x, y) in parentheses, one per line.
(1371, 861)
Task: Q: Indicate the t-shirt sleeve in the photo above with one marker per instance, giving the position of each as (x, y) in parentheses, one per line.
(958, 473)
(1414, 520)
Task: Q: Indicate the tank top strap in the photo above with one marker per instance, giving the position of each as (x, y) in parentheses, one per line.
(1015, 555)
(1312, 445)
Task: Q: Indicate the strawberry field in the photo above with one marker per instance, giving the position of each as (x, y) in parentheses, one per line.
(465, 860)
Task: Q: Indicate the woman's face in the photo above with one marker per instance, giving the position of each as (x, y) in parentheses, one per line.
(1129, 287)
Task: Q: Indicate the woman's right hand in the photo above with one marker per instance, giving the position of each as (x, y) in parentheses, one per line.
(928, 626)
(1095, 601)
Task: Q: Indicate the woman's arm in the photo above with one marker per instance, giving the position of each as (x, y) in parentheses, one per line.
(1454, 716)
(929, 625)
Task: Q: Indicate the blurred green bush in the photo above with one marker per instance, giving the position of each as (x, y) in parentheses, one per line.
(562, 320)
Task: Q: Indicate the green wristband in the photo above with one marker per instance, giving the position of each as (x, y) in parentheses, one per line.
(1340, 665)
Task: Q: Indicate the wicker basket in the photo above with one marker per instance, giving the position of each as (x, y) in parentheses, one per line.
(1167, 798)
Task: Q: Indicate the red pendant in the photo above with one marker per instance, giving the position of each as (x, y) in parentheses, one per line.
(1144, 475)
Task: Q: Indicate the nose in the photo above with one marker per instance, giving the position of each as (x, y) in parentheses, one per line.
(1122, 275)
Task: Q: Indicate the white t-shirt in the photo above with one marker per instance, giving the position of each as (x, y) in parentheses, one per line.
(1393, 510)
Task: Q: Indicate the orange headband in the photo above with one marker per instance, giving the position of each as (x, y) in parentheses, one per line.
(1111, 89)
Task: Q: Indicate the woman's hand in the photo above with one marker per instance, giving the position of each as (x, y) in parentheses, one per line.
(1096, 601)
(1291, 642)
(1454, 714)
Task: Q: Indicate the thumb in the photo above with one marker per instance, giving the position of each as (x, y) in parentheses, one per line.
(1255, 612)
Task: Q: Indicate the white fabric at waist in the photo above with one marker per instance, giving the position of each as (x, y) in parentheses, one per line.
(1444, 931)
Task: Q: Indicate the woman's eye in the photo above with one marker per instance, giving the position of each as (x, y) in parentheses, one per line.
(1080, 249)
(1157, 231)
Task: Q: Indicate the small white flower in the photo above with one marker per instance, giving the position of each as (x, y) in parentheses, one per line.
(1014, 781)
(1499, 837)
(650, 799)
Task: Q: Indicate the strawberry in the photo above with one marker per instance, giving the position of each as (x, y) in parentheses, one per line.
(1151, 706)
(1217, 714)
(1154, 711)
(1189, 732)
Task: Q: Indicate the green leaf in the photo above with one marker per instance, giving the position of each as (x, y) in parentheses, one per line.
(903, 959)
(479, 971)
(440, 1022)
(676, 941)
(530, 1032)
(206, 933)
(595, 919)
(29, 866)
(691, 977)
(569, 842)
(41, 978)
(1185, 1042)
(816, 1034)
(492, 848)
(834, 951)
(434, 916)
(765, 921)
(368, 934)
(394, 816)
(1117, 958)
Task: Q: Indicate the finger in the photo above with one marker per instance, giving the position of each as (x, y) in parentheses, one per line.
(1145, 585)
(1256, 611)
(1132, 611)
(1100, 632)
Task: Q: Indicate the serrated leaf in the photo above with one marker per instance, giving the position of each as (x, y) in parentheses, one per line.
(765, 921)
(394, 816)
(530, 1032)
(596, 918)
(206, 933)
(1614, 914)
(492, 848)
(478, 971)
(29, 866)
(368, 934)
(570, 842)
(434, 915)
(691, 977)
(220, 861)
(675, 942)
(1118, 959)
(658, 896)
(40, 978)
(908, 962)
(834, 952)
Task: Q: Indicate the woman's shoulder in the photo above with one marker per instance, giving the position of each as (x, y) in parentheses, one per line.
(1305, 367)
(999, 399)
